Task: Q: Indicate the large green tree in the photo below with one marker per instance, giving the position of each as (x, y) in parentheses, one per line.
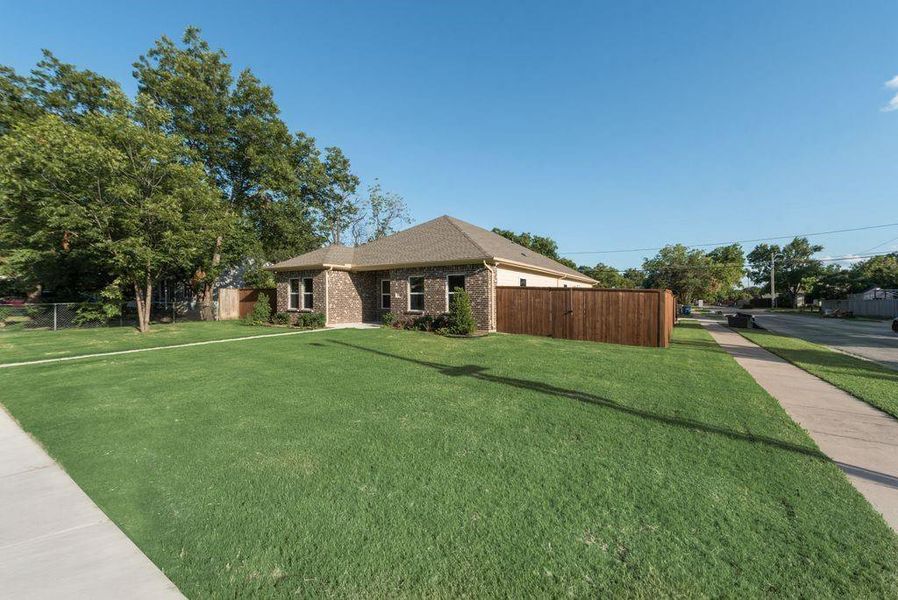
(115, 189)
(234, 128)
(335, 200)
(728, 268)
(688, 273)
(876, 271)
(282, 194)
(60, 89)
(794, 264)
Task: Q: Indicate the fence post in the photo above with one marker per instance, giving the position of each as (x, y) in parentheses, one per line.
(54, 316)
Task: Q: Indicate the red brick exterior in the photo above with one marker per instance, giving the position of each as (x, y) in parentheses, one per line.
(355, 296)
(351, 297)
(479, 283)
(282, 281)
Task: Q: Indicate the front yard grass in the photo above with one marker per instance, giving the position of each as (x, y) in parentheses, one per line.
(863, 379)
(387, 463)
(22, 345)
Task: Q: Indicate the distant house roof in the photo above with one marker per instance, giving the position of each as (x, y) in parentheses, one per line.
(878, 293)
(444, 240)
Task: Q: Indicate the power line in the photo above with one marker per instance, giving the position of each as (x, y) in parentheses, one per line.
(767, 239)
(742, 264)
(895, 239)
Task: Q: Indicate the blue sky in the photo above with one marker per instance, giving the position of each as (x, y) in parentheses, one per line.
(603, 125)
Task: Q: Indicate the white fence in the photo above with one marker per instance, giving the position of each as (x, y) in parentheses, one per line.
(855, 303)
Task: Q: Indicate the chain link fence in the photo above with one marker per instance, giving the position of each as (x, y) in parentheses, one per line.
(68, 315)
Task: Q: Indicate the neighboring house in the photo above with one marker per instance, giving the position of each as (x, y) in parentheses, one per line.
(876, 302)
(878, 293)
(414, 272)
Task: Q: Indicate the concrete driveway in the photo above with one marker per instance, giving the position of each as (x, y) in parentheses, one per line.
(873, 340)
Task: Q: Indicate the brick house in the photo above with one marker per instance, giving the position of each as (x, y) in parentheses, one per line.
(413, 272)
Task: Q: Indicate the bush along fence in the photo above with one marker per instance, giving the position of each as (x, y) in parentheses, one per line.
(68, 315)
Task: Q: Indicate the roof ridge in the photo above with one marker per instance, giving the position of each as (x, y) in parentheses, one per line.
(453, 220)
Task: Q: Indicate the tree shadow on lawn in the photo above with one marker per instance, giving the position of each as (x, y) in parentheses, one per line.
(705, 345)
(828, 359)
(480, 373)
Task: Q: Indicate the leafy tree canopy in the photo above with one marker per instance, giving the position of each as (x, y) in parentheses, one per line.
(115, 190)
(687, 273)
(837, 282)
(793, 263)
(275, 193)
(609, 277)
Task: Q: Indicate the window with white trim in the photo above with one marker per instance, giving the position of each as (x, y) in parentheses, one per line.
(385, 293)
(523, 282)
(416, 293)
(293, 300)
(453, 282)
(307, 298)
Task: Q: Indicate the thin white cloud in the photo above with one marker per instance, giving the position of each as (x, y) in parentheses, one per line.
(892, 84)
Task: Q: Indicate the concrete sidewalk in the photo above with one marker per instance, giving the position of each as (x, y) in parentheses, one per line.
(54, 541)
(860, 439)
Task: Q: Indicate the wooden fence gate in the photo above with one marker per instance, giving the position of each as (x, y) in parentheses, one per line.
(236, 303)
(634, 317)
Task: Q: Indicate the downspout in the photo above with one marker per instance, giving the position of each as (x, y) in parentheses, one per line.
(494, 281)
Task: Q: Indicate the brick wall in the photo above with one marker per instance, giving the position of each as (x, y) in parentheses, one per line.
(352, 297)
(479, 283)
(355, 296)
(282, 280)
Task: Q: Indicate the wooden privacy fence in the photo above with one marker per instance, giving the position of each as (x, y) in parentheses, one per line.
(236, 303)
(633, 317)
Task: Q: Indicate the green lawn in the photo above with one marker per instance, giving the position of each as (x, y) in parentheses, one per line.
(386, 463)
(863, 379)
(22, 345)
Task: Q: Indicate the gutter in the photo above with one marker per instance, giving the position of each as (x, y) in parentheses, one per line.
(439, 263)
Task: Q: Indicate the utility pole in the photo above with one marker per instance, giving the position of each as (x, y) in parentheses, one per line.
(772, 280)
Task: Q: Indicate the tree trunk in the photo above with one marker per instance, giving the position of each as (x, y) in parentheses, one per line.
(139, 302)
(148, 305)
(144, 300)
(206, 310)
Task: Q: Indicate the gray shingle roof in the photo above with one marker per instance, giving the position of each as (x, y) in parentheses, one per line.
(441, 240)
(336, 254)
